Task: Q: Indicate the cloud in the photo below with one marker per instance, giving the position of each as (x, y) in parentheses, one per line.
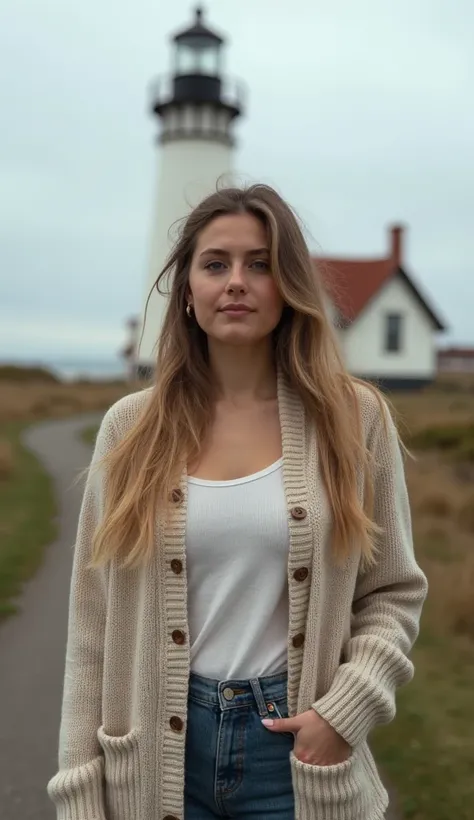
(358, 113)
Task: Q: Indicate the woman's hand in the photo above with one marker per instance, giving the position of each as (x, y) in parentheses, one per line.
(316, 742)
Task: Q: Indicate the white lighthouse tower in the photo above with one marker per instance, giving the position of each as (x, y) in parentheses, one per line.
(197, 107)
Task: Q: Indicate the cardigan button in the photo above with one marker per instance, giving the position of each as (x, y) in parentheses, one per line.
(177, 496)
(298, 513)
(298, 640)
(178, 637)
(176, 566)
(301, 574)
(176, 724)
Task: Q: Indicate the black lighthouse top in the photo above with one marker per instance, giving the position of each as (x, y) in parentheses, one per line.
(196, 78)
(198, 50)
(198, 35)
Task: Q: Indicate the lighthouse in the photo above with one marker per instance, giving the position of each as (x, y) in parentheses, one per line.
(196, 106)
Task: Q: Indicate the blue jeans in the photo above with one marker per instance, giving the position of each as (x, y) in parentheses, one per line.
(234, 766)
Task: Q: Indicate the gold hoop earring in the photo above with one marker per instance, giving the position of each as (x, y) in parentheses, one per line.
(189, 310)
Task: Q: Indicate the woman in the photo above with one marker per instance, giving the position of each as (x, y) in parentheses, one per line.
(244, 592)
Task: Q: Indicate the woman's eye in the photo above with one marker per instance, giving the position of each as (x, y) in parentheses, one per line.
(215, 266)
(260, 264)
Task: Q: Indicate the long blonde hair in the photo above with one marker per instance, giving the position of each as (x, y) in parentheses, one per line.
(147, 463)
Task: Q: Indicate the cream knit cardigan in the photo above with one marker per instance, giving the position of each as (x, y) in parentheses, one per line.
(120, 756)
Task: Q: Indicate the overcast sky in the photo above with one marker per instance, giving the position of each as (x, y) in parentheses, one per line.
(359, 112)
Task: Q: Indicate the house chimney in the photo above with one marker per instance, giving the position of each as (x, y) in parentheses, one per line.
(396, 245)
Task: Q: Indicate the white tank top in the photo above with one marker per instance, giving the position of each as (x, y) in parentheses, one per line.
(237, 556)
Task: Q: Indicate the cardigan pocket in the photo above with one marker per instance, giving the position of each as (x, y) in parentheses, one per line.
(339, 792)
(122, 775)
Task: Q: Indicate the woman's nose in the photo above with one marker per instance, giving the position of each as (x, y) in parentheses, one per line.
(236, 280)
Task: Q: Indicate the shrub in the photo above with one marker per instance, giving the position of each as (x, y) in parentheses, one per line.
(464, 471)
(438, 545)
(466, 517)
(466, 451)
(460, 602)
(16, 373)
(456, 439)
(437, 505)
(6, 460)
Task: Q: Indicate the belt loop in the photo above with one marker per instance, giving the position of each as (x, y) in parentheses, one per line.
(258, 695)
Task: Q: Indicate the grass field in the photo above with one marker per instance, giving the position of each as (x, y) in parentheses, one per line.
(428, 751)
(27, 511)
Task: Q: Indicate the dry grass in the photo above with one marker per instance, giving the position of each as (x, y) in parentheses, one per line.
(466, 515)
(437, 505)
(32, 402)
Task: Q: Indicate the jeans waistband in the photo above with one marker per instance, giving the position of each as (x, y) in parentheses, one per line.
(234, 693)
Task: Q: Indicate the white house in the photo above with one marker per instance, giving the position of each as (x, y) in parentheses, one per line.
(387, 328)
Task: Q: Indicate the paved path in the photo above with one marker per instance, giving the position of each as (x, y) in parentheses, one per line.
(32, 643)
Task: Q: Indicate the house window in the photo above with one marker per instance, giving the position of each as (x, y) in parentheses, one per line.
(393, 332)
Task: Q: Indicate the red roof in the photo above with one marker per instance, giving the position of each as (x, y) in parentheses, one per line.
(351, 284)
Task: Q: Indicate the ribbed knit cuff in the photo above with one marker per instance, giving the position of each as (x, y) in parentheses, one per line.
(78, 793)
(361, 697)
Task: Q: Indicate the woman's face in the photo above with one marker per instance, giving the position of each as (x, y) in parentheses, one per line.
(231, 287)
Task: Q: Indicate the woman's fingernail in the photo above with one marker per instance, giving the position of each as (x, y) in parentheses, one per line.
(267, 722)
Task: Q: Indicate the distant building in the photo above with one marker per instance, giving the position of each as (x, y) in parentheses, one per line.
(387, 327)
(456, 360)
(129, 353)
